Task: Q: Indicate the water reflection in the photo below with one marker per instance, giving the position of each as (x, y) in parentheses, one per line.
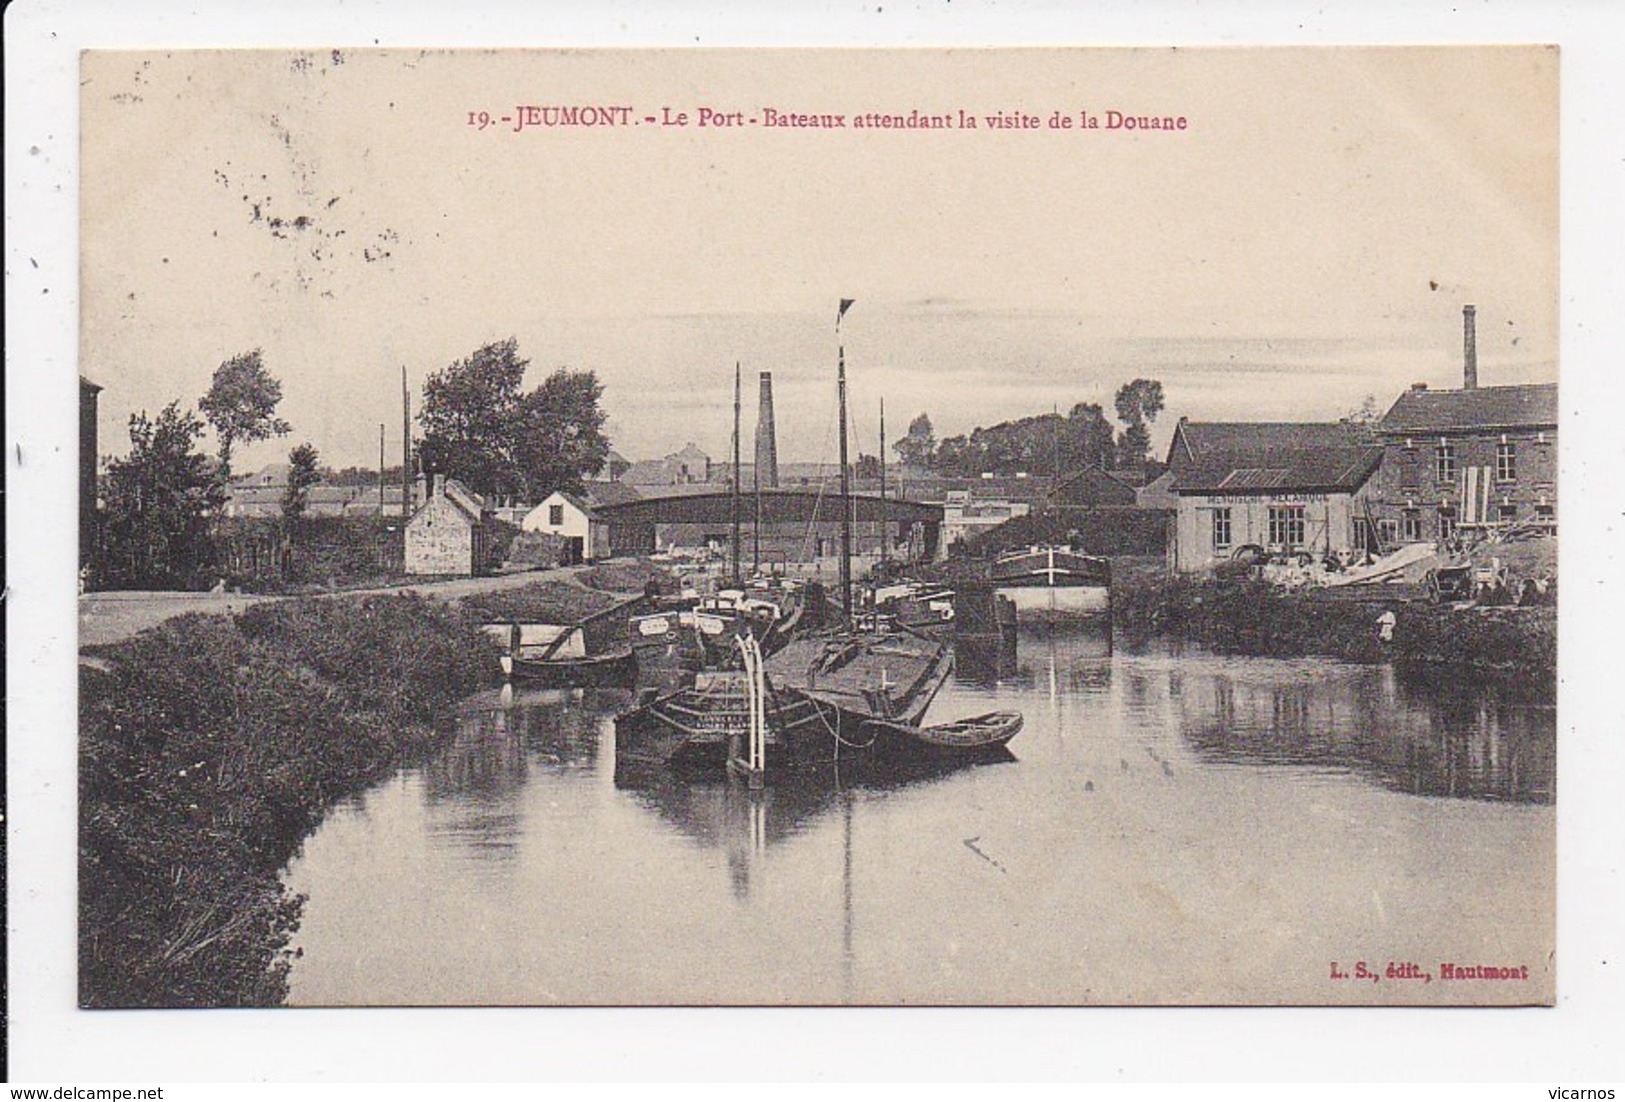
(744, 824)
(1166, 814)
(1426, 734)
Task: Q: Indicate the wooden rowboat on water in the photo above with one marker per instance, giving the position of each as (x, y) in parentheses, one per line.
(991, 731)
(554, 656)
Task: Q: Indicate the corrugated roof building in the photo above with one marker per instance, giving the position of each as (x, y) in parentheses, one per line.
(1283, 486)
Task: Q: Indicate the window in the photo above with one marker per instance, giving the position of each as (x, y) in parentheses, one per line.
(1444, 461)
(1388, 530)
(1447, 522)
(1546, 514)
(1286, 525)
(1221, 529)
(1506, 514)
(1410, 525)
(1506, 461)
(555, 515)
(1408, 469)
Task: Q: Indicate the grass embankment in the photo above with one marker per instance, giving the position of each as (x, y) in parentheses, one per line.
(1253, 617)
(210, 747)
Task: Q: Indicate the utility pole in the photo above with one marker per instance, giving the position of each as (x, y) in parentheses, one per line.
(380, 472)
(406, 450)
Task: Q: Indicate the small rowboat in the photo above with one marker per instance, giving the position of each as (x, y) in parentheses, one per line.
(599, 671)
(962, 736)
(554, 656)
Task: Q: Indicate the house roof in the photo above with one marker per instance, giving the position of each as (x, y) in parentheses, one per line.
(648, 472)
(1489, 407)
(1194, 440)
(604, 492)
(1158, 493)
(778, 506)
(270, 475)
(1094, 486)
(1260, 457)
(465, 499)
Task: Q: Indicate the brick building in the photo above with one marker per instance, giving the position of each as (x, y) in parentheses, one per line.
(1467, 461)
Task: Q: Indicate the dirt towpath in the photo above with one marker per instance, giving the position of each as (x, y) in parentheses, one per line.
(111, 617)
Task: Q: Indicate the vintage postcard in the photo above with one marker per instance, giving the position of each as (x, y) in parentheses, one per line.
(818, 527)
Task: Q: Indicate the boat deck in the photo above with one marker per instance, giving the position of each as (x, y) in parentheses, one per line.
(898, 668)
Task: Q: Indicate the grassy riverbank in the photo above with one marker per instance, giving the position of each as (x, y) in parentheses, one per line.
(1253, 617)
(210, 747)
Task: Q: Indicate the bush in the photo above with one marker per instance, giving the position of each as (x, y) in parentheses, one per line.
(536, 549)
(210, 749)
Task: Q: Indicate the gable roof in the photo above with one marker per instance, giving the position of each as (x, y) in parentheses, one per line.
(1194, 440)
(468, 503)
(1094, 486)
(602, 492)
(1258, 457)
(1488, 407)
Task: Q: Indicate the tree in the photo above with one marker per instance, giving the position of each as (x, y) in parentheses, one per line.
(917, 448)
(158, 502)
(1086, 439)
(480, 426)
(561, 434)
(302, 475)
(241, 405)
(469, 417)
(1138, 404)
(867, 467)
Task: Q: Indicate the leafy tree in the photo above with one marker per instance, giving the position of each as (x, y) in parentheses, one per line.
(480, 426)
(1086, 439)
(158, 503)
(560, 438)
(1138, 404)
(241, 405)
(470, 416)
(302, 475)
(917, 448)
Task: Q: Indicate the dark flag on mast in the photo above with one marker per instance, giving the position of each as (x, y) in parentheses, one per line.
(846, 304)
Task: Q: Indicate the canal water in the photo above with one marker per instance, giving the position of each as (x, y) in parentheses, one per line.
(1170, 827)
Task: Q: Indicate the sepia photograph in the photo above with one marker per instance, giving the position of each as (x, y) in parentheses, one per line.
(971, 527)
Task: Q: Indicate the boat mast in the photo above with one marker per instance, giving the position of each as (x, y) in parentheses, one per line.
(885, 539)
(733, 503)
(406, 449)
(756, 488)
(846, 482)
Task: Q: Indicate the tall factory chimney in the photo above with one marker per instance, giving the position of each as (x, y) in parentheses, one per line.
(1469, 348)
(767, 447)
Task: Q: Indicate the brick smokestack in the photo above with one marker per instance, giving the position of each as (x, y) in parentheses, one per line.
(1469, 348)
(767, 447)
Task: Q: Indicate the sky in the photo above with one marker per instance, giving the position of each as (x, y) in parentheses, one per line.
(1307, 240)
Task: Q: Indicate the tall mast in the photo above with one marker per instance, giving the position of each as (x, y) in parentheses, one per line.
(885, 539)
(734, 502)
(846, 493)
(846, 483)
(406, 449)
(756, 487)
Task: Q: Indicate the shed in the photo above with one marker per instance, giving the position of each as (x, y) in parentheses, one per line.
(451, 533)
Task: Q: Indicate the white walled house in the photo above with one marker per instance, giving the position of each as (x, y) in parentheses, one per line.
(585, 534)
(1282, 487)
